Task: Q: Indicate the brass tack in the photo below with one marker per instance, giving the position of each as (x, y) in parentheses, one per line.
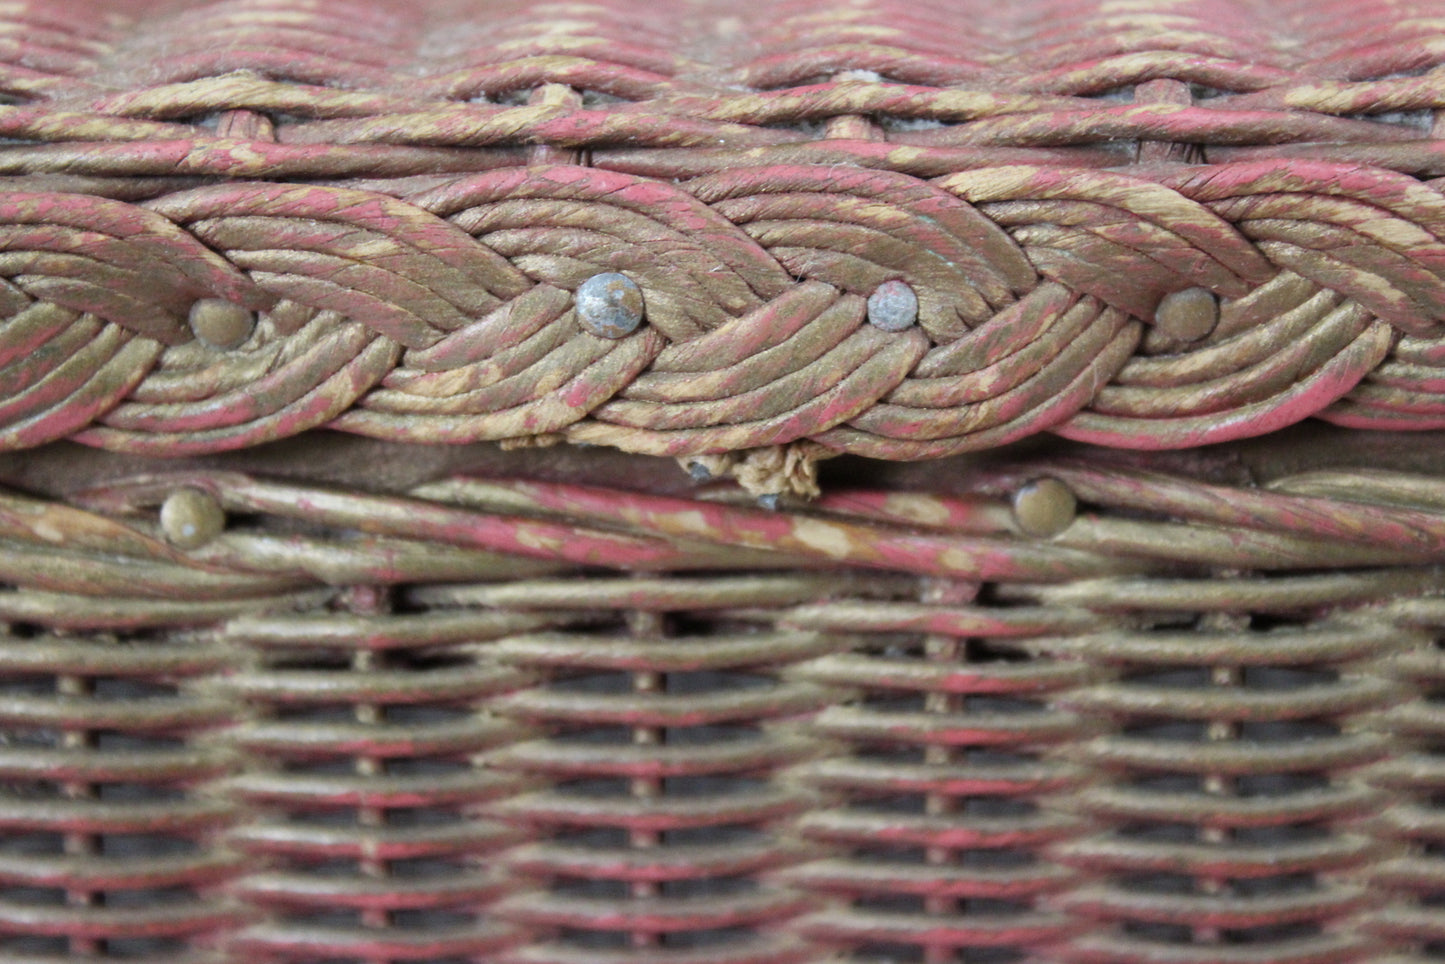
(610, 305)
(191, 518)
(893, 307)
(221, 324)
(1044, 507)
(1188, 315)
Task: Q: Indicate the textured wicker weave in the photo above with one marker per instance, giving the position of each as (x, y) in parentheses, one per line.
(353, 701)
(494, 720)
(410, 193)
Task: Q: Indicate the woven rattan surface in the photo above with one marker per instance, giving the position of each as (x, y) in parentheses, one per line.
(339, 700)
(491, 719)
(1147, 224)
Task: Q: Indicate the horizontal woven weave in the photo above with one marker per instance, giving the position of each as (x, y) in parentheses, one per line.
(516, 722)
(1155, 225)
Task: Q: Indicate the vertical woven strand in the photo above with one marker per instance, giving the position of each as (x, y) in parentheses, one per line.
(364, 784)
(936, 825)
(108, 835)
(1409, 878)
(660, 728)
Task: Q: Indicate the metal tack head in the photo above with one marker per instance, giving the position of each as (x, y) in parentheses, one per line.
(893, 307)
(221, 324)
(191, 518)
(1044, 507)
(610, 305)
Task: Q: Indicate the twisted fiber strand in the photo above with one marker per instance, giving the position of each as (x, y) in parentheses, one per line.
(106, 545)
(446, 315)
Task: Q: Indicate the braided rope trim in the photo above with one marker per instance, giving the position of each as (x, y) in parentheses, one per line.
(445, 315)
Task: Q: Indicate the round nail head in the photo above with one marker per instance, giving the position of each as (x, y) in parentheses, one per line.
(1188, 315)
(893, 307)
(191, 518)
(610, 305)
(1044, 507)
(221, 324)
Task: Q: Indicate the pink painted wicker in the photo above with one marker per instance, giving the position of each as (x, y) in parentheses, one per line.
(1057, 575)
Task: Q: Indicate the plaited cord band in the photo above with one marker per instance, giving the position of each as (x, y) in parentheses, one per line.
(247, 220)
(447, 315)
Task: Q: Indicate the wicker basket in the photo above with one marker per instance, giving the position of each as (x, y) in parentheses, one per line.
(1014, 600)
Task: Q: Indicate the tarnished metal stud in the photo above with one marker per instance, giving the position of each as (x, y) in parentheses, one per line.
(893, 307)
(1044, 507)
(610, 305)
(221, 324)
(1187, 315)
(191, 518)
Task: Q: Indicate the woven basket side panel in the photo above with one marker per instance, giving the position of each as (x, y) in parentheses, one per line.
(1075, 712)
(521, 721)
